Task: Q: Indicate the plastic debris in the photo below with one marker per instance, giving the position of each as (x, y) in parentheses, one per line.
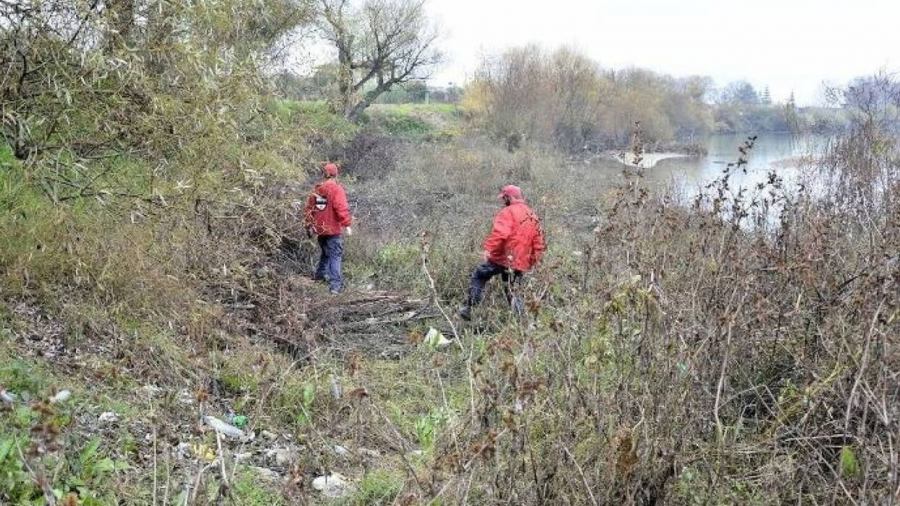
(185, 397)
(60, 397)
(334, 486)
(204, 452)
(7, 397)
(435, 339)
(109, 417)
(336, 390)
(222, 427)
(237, 420)
(182, 450)
(340, 451)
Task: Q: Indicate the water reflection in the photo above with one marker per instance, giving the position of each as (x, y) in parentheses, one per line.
(780, 152)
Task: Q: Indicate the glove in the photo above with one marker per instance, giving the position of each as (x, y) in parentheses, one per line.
(348, 231)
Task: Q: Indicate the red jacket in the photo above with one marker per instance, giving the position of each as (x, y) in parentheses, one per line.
(516, 240)
(327, 211)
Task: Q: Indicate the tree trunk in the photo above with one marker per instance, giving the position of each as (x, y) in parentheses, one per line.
(354, 113)
(370, 97)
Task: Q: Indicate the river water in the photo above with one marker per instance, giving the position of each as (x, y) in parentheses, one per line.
(783, 153)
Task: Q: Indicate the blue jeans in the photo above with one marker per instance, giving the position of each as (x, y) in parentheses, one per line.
(484, 273)
(329, 268)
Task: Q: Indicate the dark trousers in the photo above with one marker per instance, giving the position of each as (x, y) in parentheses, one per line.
(484, 273)
(329, 268)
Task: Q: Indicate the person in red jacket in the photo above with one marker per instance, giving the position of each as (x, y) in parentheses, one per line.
(514, 246)
(327, 216)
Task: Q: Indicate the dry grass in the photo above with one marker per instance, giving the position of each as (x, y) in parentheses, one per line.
(700, 358)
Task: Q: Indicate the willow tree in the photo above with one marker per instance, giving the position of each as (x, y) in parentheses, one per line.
(380, 44)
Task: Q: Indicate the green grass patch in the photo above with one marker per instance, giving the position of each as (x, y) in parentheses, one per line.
(249, 491)
(407, 109)
(417, 121)
(378, 487)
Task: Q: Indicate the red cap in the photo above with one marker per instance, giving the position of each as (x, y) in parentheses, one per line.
(511, 191)
(330, 170)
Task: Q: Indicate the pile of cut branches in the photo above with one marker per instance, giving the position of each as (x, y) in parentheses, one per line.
(296, 313)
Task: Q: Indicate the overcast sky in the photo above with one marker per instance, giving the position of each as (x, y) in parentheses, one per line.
(788, 45)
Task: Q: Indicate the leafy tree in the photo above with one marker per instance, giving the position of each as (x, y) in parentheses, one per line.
(380, 44)
(791, 115)
(875, 100)
(698, 88)
(566, 99)
(740, 93)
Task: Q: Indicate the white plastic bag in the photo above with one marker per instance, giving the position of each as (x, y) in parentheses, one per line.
(223, 428)
(435, 339)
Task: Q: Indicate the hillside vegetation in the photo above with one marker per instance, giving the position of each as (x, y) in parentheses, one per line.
(741, 348)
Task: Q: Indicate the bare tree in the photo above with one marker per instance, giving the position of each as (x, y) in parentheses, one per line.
(380, 44)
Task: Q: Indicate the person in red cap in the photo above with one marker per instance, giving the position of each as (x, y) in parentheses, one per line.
(514, 246)
(327, 216)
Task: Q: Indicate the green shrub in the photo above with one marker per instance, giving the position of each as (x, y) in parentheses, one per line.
(428, 427)
(315, 117)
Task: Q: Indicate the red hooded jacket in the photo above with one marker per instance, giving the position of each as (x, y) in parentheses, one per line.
(327, 211)
(516, 240)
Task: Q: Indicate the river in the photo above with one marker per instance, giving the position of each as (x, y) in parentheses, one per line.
(782, 152)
